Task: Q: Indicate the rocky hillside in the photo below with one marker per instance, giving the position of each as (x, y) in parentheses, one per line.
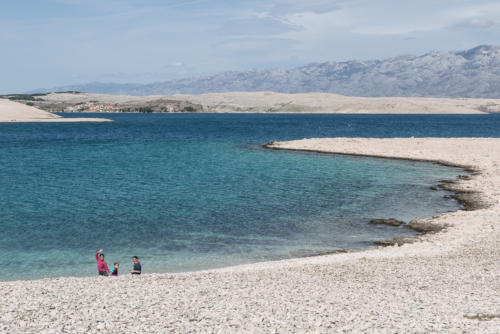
(473, 73)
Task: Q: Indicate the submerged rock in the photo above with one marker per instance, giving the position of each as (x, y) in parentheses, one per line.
(387, 221)
(269, 145)
(398, 241)
(447, 181)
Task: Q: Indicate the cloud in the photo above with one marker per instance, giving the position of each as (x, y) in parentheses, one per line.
(397, 29)
(176, 64)
(257, 25)
(281, 7)
(478, 24)
(391, 17)
(480, 16)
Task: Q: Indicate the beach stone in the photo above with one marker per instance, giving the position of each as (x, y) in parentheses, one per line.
(425, 226)
(398, 241)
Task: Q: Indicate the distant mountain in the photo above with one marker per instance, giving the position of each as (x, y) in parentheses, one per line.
(471, 73)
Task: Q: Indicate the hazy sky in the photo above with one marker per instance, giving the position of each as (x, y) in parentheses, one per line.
(46, 43)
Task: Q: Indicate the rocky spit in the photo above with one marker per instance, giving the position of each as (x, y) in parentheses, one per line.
(15, 112)
(445, 282)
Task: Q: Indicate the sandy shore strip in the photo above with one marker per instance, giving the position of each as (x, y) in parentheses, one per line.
(448, 282)
(14, 112)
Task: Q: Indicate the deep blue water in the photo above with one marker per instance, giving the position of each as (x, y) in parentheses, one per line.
(195, 191)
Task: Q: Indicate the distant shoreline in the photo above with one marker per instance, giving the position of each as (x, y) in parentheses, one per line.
(256, 102)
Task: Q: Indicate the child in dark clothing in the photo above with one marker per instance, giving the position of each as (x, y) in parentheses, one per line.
(115, 269)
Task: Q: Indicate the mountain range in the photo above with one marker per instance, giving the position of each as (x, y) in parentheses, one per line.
(473, 73)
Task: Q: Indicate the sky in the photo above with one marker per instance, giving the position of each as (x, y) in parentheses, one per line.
(49, 43)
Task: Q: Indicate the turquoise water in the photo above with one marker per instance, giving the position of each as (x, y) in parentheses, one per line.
(188, 192)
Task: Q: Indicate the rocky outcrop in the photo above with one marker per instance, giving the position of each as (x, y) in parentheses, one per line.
(471, 200)
(424, 225)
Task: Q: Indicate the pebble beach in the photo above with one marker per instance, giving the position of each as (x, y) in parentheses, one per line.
(445, 282)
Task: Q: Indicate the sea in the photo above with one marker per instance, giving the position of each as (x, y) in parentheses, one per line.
(186, 192)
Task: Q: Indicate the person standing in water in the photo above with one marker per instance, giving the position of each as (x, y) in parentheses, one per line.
(102, 267)
(137, 266)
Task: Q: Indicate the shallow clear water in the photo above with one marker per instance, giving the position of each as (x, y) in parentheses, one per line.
(187, 192)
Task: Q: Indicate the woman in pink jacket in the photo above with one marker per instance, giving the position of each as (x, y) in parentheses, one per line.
(102, 267)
